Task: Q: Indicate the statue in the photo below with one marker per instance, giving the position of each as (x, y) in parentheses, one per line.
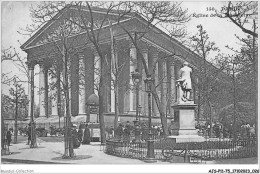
(185, 82)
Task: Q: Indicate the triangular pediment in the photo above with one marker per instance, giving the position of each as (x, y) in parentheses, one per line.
(69, 20)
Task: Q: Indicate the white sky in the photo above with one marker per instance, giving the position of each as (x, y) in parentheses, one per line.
(15, 15)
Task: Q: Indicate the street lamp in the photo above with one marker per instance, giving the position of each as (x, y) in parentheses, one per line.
(149, 82)
(139, 109)
(136, 77)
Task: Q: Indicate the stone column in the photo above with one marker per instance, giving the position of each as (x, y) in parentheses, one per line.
(178, 90)
(97, 70)
(31, 74)
(133, 66)
(82, 90)
(74, 79)
(173, 82)
(144, 99)
(46, 97)
(42, 89)
(31, 88)
(164, 96)
(114, 62)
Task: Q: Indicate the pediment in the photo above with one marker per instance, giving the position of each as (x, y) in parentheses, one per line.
(69, 23)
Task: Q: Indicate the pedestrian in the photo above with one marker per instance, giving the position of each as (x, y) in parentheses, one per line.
(119, 131)
(87, 138)
(75, 140)
(127, 130)
(9, 136)
(80, 134)
(244, 131)
(110, 132)
(29, 133)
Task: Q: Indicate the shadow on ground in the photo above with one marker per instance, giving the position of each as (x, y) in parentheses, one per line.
(31, 148)
(14, 153)
(77, 157)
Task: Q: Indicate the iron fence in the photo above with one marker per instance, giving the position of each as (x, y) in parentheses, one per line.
(197, 152)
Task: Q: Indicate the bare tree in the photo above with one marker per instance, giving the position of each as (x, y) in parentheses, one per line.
(243, 14)
(168, 15)
(58, 39)
(17, 94)
(7, 55)
(208, 76)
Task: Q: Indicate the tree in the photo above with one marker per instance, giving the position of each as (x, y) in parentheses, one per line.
(6, 55)
(207, 74)
(65, 50)
(17, 93)
(245, 16)
(242, 14)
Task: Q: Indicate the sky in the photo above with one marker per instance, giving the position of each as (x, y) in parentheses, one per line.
(15, 15)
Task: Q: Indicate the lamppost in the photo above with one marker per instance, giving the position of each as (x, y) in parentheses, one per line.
(149, 82)
(136, 77)
(59, 111)
(139, 108)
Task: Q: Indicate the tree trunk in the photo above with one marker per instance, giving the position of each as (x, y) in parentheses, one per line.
(255, 65)
(101, 120)
(162, 114)
(116, 107)
(16, 115)
(2, 132)
(234, 103)
(69, 152)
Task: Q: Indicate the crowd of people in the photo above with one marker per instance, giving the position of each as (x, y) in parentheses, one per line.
(244, 130)
(128, 131)
(81, 134)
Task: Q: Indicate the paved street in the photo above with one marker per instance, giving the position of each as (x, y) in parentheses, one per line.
(50, 153)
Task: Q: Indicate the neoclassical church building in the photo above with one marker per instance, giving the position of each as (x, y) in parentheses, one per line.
(163, 56)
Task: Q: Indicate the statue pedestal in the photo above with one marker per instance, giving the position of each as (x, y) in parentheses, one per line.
(185, 116)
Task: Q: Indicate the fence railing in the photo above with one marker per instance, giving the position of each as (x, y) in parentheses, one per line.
(166, 149)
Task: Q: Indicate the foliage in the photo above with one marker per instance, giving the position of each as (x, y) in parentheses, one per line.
(244, 111)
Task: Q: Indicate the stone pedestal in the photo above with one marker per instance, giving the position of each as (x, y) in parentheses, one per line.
(185, 118)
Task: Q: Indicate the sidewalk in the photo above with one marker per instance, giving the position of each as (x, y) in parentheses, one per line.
(51, 153)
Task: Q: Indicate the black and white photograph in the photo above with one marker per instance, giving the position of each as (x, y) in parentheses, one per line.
(129, 87)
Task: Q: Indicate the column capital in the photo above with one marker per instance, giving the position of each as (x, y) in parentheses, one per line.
(154, 52)
(172, 63)
(144, 50)
(31, 64)
(41, 63)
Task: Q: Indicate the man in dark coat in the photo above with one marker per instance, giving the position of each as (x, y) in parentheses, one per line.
(119, 131)
(29, 133)
(9, 137)
(87, 138)
(127, 130)
(74, 133)
(80, 134)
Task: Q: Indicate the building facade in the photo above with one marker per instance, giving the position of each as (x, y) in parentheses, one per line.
(163, 56)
